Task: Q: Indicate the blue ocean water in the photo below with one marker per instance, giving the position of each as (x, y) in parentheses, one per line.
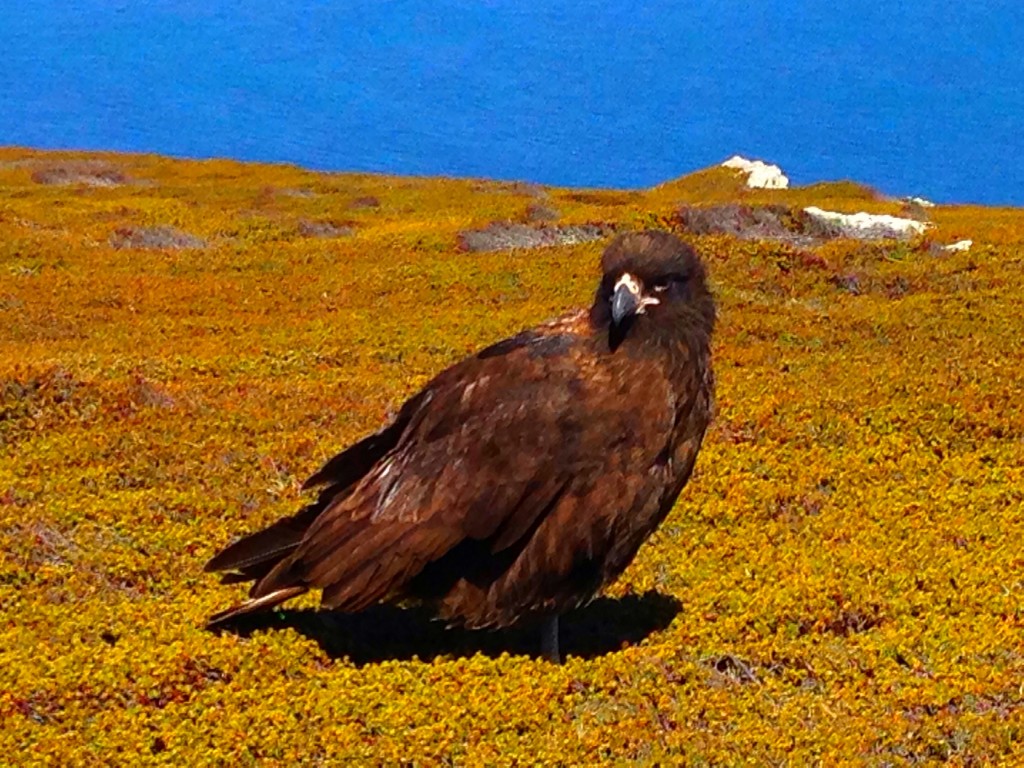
(921, 98)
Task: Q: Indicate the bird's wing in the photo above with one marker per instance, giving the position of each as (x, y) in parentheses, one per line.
(254, 555)
(489, 448)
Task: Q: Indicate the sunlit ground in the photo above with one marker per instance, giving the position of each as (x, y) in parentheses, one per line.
(182, 343)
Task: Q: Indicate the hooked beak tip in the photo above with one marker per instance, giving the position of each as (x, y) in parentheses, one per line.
(623, 305)
(625, 299)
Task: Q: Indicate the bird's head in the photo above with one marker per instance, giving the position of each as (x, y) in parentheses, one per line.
(653, 287)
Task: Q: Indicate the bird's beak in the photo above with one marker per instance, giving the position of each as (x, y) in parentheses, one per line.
(628, 299)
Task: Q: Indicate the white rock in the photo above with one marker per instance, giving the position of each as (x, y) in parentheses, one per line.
(759, 175)
(920, 201)
(869, 226)
(959, 245)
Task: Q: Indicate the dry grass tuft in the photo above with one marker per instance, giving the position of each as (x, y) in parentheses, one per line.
(154, 238)
(85, 172)
(324, 229)
(366, 201)
(537, 213)
(501, 236)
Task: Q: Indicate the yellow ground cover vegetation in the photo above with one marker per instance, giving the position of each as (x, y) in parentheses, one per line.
(181, 344)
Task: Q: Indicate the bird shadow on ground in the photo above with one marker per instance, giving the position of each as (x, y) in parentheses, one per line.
(387, 632)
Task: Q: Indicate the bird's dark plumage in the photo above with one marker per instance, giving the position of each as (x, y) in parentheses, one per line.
(522, 479)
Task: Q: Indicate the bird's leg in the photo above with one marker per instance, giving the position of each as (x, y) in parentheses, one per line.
(549, 640)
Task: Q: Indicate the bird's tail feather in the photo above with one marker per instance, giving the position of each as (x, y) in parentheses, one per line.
(252, 557)
(257, 604)
(266, 546)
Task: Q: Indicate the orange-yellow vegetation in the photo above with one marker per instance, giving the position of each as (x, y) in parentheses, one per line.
(848, 560)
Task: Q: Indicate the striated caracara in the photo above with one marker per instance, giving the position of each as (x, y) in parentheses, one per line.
(522, 479)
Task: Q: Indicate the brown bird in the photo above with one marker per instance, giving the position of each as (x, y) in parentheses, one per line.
(522, 479)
